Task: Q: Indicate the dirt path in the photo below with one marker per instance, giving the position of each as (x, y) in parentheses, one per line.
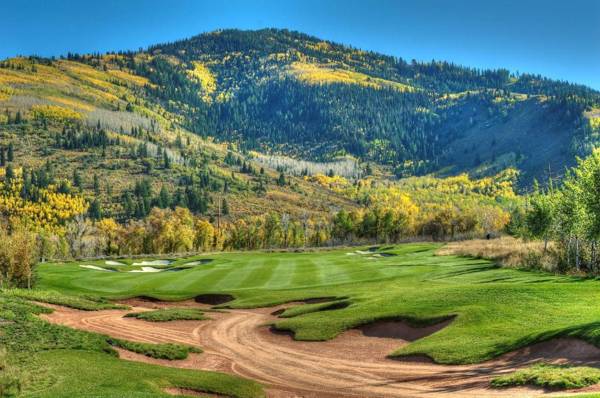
(352, 365)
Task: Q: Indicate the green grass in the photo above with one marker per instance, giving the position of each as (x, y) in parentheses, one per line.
(54, 361)
(73, 301)
(550, 376)
(159, 351)
(169, 314)
(495, 310)
(75, 373)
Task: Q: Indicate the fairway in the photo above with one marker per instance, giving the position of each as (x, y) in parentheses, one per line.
(493, 310)
(237, 272)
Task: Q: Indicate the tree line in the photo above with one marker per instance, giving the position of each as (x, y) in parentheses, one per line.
(568, 216)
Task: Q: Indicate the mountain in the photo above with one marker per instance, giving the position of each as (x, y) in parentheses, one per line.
(285, 92)
(231, 121)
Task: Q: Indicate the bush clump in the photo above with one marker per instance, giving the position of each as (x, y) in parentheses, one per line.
(169, 314)
(158, 351)
(550, 376)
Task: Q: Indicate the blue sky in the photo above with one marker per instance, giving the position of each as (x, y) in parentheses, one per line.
(558, 39)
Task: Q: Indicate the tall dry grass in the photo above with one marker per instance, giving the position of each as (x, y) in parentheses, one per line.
(507, 251)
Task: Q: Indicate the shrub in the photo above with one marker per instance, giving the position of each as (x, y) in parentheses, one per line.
(552, 376)
(170, 314)
(158, 351)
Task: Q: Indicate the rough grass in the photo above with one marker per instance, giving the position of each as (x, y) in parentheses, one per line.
(90, 303)
(10, 379)
(550, 376)
(159, 351)
(169, 314)
(506, 250)
(49, 361)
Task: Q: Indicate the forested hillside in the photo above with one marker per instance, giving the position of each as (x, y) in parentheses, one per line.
(260, 139)
(279, 91)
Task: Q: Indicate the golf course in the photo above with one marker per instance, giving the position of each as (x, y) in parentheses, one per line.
(382, 321)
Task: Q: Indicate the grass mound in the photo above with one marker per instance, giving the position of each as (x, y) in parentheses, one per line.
(158, 351)
(72, 301)
(550, 376)
(169, 314)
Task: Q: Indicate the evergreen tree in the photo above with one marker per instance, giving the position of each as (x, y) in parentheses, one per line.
(77, 179)
(281, 180)
(166, 160)
(95, 210)
(164, 199)
(11, 152)
(9, 174)
(96, 184)
(225, 207)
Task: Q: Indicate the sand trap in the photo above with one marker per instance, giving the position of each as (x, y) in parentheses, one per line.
(350, 254)
(95, 268)
(154, 262)
(147, 269)
(401, 330)
(351, 365)
(199, 262)
(213, 299)
(111, 262)
(362, 252)
(194, 263)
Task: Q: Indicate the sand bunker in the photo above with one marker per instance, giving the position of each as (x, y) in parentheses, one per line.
(147, 269)
(199, 262)
(352, 365)
(213, 299)
(401, 330)
(94, 267)
(111, 262)
(154, 262)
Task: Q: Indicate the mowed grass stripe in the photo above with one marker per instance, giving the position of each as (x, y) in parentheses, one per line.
(359, 269)
(234, 279)
(307, 273)
(208, 281)
(260, 275)
(282, 274)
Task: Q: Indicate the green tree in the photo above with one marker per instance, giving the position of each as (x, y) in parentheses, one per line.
(281, 179)
(540, 215)
(10, 155)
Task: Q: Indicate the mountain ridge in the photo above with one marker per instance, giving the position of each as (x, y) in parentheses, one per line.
(226, 114)
(463, 83)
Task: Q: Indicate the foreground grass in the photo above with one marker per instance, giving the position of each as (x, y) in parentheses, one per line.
(550, 376)
(495, 310)
(50, 360)
(75, 373)
(169, 314)
(72, 301)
